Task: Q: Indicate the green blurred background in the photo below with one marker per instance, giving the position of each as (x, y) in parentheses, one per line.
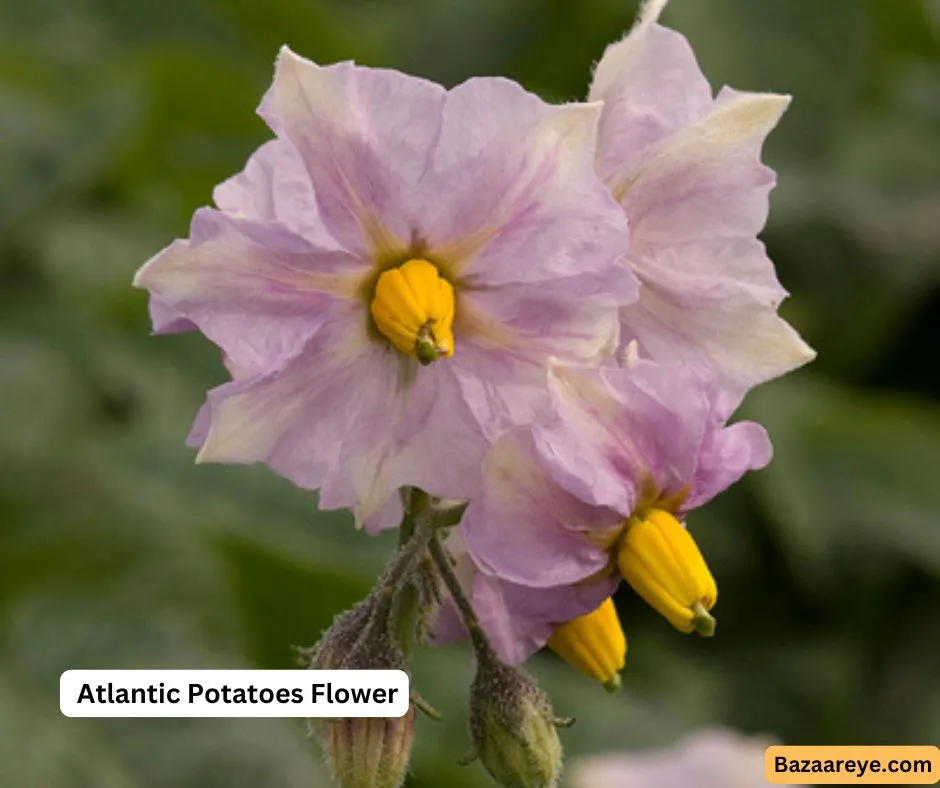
(116, 119)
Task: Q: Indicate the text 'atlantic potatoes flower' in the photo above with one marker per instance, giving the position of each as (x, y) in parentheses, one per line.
(685, 166)
(387, 278)
(597, 493)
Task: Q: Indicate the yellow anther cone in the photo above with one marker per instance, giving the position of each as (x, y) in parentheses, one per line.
(594, 645)
(659, 558)
(413, 307)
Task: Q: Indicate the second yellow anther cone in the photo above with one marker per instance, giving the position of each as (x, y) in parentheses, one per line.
(594, 645)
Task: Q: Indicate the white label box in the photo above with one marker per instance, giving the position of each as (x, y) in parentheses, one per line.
(234, 693)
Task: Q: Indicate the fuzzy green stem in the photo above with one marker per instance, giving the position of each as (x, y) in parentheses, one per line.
(422, 517)
(481, 645)
(407, 525)
(419, 519)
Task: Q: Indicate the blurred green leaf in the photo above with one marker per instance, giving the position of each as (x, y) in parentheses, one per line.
(850, 473)
(36, 750)
(63, 140)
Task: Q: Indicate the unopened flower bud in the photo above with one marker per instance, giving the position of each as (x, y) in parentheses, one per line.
(339, 641)
(361, 638)
(594, 645)
(369, 752)
(513, 728)
(363, 752)
(660, 559)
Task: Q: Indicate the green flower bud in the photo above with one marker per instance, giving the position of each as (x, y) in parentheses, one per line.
(361, 638)
(339, 641)
(363, 752)
(513, 728)
(368, 753)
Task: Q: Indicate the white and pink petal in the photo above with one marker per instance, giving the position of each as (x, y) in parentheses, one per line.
(365, 137)
(727, 454)
(624, 435)
(712, 306)
(255, 289)
(274, 187)
(705, 181)
(413, 430)
(167, 320)
(651, 86)
(527, 529)
(523, 203)
(348, 416)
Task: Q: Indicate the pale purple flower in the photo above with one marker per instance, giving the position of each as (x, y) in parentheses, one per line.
(710, 758)
(557, 494)
(686, 169)
(369, 169)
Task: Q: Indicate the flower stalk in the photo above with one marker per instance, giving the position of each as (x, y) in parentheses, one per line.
(478, 638)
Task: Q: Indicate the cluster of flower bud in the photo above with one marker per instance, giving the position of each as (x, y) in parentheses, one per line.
(512, 724)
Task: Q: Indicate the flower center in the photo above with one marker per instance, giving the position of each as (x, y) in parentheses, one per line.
(413, 307)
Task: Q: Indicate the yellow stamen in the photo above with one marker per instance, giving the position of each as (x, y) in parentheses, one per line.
(594, 645)
(659, 558)
(413, 307)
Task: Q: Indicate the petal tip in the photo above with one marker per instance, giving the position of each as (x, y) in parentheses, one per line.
(140, 276)
(209, 451)
(807, 353)
(650, 11)
(147, 276)
(286, 55)
(768, 108)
